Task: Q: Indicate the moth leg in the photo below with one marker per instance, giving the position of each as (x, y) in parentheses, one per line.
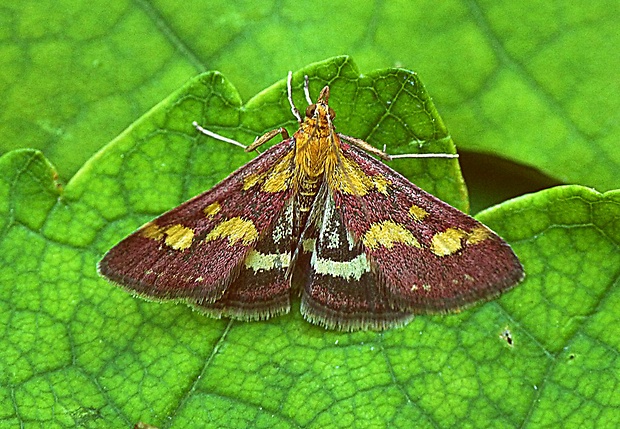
(266, 137)
(385, 156)
(259, 141)
(365, 146)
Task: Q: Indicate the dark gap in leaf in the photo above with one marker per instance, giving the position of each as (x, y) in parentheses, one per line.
(492, 179)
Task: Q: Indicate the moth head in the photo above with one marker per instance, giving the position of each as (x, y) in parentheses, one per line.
(311, 111)
(321, 104)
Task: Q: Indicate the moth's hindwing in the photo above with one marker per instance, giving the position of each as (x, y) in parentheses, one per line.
(196, 250)
(341, 291)
(262, 286)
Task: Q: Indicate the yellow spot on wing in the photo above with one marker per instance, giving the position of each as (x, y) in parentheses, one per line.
(266, 261)
(212, 209)
(179, 237)
(447, 242)
(350, 179)
(276, 179)
(478, 234)
(353, 269)
(386, 234)
(279, 176)
(252, 180)
(152, 230)
(451, 240)
(235, 229)
(418, 213)
(381, 183)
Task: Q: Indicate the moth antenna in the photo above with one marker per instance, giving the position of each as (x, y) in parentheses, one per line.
(217, 136)
(307, 89)
(289, 92)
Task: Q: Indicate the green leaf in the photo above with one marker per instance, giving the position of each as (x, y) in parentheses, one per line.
(78, 351)
(568, 237)
(73, 75)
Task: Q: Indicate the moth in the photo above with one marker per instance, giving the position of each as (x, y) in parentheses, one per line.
(315, 216)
